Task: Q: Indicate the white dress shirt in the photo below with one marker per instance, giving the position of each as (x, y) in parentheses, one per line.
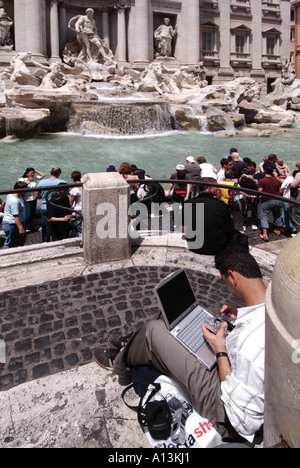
(243, 390)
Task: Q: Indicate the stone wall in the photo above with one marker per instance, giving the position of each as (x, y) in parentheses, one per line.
(54, 326)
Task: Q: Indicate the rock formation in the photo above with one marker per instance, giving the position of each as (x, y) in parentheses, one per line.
(89, 73)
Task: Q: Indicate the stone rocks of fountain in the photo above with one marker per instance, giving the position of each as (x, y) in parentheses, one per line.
(216, 105)
(232, 108)
(21, 123)
(176, 98)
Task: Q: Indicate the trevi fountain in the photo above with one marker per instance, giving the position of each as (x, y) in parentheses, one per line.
(87, 93)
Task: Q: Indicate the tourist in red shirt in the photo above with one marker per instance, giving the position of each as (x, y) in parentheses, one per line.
(271, 185)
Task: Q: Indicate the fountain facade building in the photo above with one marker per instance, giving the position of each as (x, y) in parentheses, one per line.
(232, 38)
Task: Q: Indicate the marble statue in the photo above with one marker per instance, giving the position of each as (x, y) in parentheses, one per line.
(159, 78)
(288, 72)
(5, 25)
(92, 48)
(55, 78)
(163, 38)
(20, 73)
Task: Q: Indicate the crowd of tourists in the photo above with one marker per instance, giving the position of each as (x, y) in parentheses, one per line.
(246, 208)
(242, 207)
(58, 220)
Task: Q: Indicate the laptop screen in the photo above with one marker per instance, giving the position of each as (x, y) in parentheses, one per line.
(176, 296)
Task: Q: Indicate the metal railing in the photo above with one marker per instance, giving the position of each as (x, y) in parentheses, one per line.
(293, 205)
(53, 189)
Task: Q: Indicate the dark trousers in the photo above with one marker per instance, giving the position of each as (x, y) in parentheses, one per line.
(13, 237)
(46, 237)
(153, 345)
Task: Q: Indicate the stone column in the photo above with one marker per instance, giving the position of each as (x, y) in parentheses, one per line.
(63, 25)
(192, 31)
(256, 34)
(285, 28)
(282, 369)
(105, 27)
(225, 38)
(122, 40)
(54, 31)
(142, 32)
(105, 202)
(34, 22)
(20, 30)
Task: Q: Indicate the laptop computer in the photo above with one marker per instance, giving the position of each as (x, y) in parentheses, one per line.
(183, 315)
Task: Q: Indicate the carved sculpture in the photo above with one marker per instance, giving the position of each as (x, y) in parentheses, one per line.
(163, 38)
(158, 78)
(91, 47)
(20, 73)
(5, 25)
(288, 72)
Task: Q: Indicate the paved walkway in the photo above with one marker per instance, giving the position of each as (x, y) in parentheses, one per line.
(82, 407)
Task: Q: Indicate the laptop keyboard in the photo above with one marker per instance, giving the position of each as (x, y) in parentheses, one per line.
(192, 335)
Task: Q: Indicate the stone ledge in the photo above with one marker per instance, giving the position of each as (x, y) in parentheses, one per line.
(36, 263)
(79, 408)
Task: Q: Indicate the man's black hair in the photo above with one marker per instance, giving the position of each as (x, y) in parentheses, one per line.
(239, 260)
(229, 174)
(56, 171)
(268, 169)
(20, 185)
(224, 161)
(208, 181)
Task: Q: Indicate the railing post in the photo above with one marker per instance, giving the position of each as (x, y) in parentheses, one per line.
(105, 202)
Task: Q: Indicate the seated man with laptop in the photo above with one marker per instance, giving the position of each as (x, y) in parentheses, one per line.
(230, 393)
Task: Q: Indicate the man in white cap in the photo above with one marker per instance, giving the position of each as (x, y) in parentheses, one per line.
(194, 172)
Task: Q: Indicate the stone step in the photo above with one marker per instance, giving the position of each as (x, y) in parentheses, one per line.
(35, 264)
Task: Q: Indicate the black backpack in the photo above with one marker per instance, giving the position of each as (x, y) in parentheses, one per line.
(237, 201)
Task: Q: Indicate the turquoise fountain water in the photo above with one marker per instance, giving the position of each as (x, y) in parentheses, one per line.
(158, 154)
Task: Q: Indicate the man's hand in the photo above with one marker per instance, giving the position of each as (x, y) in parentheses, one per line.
(217, 341)
(230, 309)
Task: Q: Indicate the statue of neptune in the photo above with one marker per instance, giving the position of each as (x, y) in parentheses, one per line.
(92, 46)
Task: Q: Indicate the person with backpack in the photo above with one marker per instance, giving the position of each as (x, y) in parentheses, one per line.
(271, 185)
(249, 180)
(231, 395)
(179, 192)
(235, 200)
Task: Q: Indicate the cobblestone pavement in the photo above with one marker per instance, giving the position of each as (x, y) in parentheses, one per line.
(54, 326)
(52, 394)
